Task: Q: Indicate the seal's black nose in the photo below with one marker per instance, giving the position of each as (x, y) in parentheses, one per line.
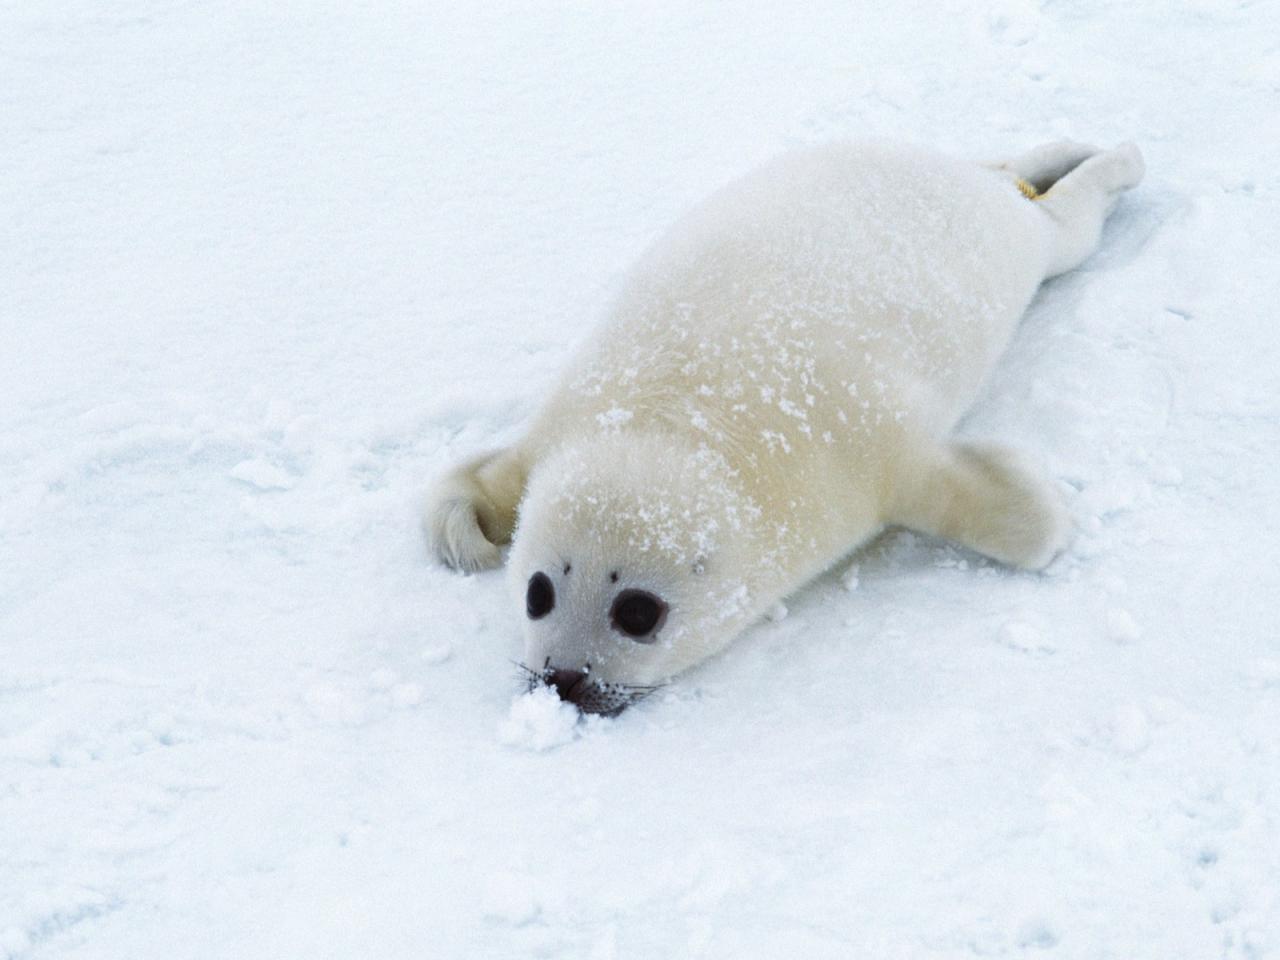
(571, 685)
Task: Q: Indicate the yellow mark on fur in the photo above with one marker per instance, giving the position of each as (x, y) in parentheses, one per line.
(1028, 191)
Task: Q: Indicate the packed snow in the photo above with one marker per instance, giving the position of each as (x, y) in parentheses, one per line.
(267, 269)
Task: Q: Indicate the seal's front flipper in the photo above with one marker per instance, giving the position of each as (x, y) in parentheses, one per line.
(987, 499)
(471, 511)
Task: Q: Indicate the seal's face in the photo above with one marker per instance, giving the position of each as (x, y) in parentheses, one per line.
(626, 568)
(602, 637)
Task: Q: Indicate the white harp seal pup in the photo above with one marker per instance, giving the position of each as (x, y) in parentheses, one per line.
(777, 380)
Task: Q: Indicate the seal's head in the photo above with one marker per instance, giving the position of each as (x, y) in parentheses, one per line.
(629, 565)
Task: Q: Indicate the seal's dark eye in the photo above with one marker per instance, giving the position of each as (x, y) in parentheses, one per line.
(540, 597)
(638, 614)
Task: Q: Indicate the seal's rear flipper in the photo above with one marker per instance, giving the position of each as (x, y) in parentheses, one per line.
(988, 499)
(471, 511)
(1048, 163)
(1080, 202)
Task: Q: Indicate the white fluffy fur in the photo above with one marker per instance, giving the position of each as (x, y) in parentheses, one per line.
(777, 381)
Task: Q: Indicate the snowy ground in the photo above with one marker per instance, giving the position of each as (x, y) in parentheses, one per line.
(263, 273)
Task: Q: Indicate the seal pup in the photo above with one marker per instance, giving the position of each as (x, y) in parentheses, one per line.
(776, 381)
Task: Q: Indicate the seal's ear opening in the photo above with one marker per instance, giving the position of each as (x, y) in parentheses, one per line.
(638, 614)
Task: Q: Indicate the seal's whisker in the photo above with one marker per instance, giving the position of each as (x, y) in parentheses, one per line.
(636, 694)
(530, 677)
(601, 697)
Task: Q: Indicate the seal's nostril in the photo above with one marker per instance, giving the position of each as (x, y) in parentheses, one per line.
(570, 685)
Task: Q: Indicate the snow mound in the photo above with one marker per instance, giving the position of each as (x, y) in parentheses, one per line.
(539, 720)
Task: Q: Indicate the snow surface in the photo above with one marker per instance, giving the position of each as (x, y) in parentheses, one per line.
(265, 269)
